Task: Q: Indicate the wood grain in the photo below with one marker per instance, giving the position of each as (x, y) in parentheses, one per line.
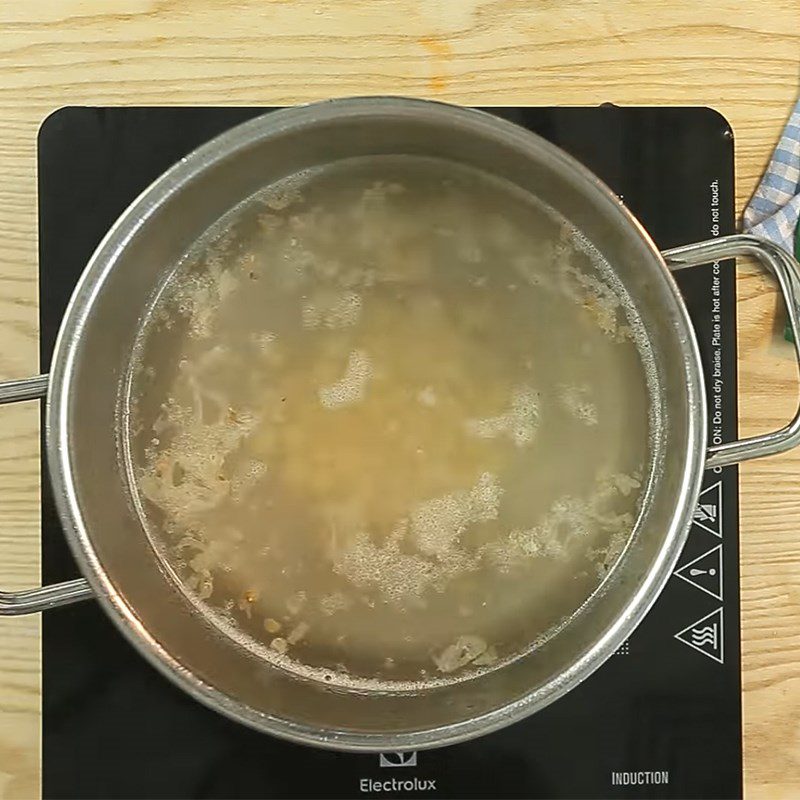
(740, 57)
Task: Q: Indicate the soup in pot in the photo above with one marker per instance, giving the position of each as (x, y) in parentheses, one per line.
(389, 422)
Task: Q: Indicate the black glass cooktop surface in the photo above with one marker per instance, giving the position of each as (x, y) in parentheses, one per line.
(662, 718)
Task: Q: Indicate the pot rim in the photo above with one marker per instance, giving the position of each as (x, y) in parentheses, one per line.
(58, 408)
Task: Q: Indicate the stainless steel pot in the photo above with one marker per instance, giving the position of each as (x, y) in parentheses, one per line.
(98, 330)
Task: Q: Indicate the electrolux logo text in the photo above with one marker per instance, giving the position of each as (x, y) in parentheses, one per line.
(397, 785)
(387, 785)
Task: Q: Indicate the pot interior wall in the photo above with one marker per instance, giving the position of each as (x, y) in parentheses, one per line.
(99, 332)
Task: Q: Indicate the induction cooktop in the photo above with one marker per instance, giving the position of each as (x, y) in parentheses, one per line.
(660, 719)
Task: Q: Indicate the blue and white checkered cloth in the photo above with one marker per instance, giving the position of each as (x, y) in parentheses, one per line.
(774, 209)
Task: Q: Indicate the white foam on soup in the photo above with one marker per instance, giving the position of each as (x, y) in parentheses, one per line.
(392, 423)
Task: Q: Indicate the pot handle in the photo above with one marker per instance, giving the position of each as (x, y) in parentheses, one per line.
(787, 272)
(30, 601)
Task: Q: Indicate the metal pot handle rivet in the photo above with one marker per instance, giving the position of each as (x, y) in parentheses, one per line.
(786, 271)
(30, 601)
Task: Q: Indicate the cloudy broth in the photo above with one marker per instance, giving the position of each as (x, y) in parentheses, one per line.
(389, 422)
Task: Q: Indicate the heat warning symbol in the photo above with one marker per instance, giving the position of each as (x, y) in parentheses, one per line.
(705, 572)
(708, 511)
(705, 635)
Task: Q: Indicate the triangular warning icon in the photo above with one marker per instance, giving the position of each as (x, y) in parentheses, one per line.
(708, 511)
(705, 572)
(705, 635)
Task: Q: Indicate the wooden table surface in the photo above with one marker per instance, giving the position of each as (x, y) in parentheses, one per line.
(740, 56)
